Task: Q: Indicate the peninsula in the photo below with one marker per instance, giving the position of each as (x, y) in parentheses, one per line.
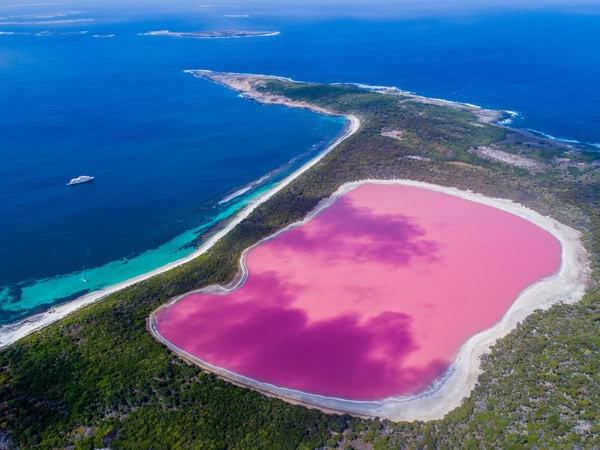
(105, 375)
(438, 393)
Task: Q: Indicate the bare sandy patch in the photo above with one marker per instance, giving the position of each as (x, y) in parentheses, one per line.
(396, 134)
(464, 164)
(417, 158)
(509, 158)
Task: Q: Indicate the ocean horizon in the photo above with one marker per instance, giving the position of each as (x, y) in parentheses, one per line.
(173, 155)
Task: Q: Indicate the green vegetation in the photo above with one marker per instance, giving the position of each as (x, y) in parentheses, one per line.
(97, 378)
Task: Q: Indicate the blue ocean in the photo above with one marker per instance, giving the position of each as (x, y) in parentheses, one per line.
(85, 92)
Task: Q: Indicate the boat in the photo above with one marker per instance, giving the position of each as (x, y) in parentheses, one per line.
(80, 179)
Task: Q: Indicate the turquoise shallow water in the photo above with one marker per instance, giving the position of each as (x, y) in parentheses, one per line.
(166, 149)
(87, 280)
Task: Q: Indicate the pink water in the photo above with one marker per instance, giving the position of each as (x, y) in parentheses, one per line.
(371, 299)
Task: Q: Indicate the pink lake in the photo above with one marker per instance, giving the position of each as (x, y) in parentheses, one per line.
(371, 299)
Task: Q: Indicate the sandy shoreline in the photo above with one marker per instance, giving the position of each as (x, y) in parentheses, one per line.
(567, 285)
(11, 333)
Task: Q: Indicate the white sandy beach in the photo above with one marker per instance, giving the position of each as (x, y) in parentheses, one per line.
(567, 285)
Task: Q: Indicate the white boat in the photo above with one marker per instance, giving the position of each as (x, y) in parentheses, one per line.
(80, 179)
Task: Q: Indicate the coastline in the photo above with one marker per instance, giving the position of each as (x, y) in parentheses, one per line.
(246, 83)
(567, 285)
(11, 333)
(495, 116)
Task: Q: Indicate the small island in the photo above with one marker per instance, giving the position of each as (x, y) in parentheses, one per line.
(215, 34)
